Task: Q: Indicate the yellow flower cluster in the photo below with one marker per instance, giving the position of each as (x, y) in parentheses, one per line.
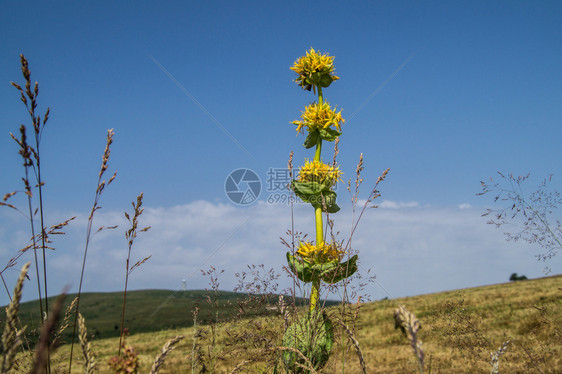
(314, 69)
(319, 116)
(322, 253)
(319, 172)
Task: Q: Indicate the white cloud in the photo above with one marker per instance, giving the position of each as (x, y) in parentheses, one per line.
(412, 249)
(464, 206)
(398, 205)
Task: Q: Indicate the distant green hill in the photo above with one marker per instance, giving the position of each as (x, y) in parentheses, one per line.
(151, 310)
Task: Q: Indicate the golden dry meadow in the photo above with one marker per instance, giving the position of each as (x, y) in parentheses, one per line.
(460, 329)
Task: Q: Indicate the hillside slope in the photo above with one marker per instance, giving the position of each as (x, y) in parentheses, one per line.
(146, 310)
(460, 329)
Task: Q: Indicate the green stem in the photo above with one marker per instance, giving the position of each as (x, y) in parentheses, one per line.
(315, 291)
(314, 295)
(319, 226)
(318, 149)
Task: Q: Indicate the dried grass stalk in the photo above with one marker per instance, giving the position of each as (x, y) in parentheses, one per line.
(42, 350)
(99, 189)
(409, 324)
(336, 150)
(496, 357)
(11, 338)
(89, 357)
(131, 234)
(240, 366)
(168, 347)
(65, 322)
(307, 361)
(356, 345)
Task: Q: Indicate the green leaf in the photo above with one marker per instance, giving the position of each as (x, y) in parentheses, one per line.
(308, 191)
(326, 80)
(302, 269)
(313, 193)
(325, 200)
(313, 336)
(330, 272)
(329, 134)
(341, 271)
(309, 188)
(311, 139)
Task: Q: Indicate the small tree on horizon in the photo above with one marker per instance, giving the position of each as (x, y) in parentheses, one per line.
(514, 277)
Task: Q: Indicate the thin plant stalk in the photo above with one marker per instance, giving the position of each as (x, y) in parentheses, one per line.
(11, 263)
(195, 336)
(29, 204)
(290, 167)
(43, 234)
(124, 302)
(131, 234)
(99, 189)
(37, 132)
(27, 153)
(6, 287)
(38, 125)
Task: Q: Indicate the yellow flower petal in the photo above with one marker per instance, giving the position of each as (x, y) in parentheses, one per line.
(313, 69)
(316, 171)
(320, 253)
(320, 116)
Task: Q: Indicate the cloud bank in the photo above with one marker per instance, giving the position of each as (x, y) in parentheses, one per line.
(411, 248)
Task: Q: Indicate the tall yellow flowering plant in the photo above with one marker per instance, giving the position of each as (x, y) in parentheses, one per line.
(317, 261)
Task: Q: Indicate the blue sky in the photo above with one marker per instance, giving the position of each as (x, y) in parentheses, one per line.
(442, 93)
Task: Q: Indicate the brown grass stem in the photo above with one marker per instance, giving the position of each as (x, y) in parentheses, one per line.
(131, 234)
(26, 151)
(38, 126)
(355, 345)
(372, 196)
(40, 362)
(99, 189)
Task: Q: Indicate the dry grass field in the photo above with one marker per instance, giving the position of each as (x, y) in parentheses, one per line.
(460, 329)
